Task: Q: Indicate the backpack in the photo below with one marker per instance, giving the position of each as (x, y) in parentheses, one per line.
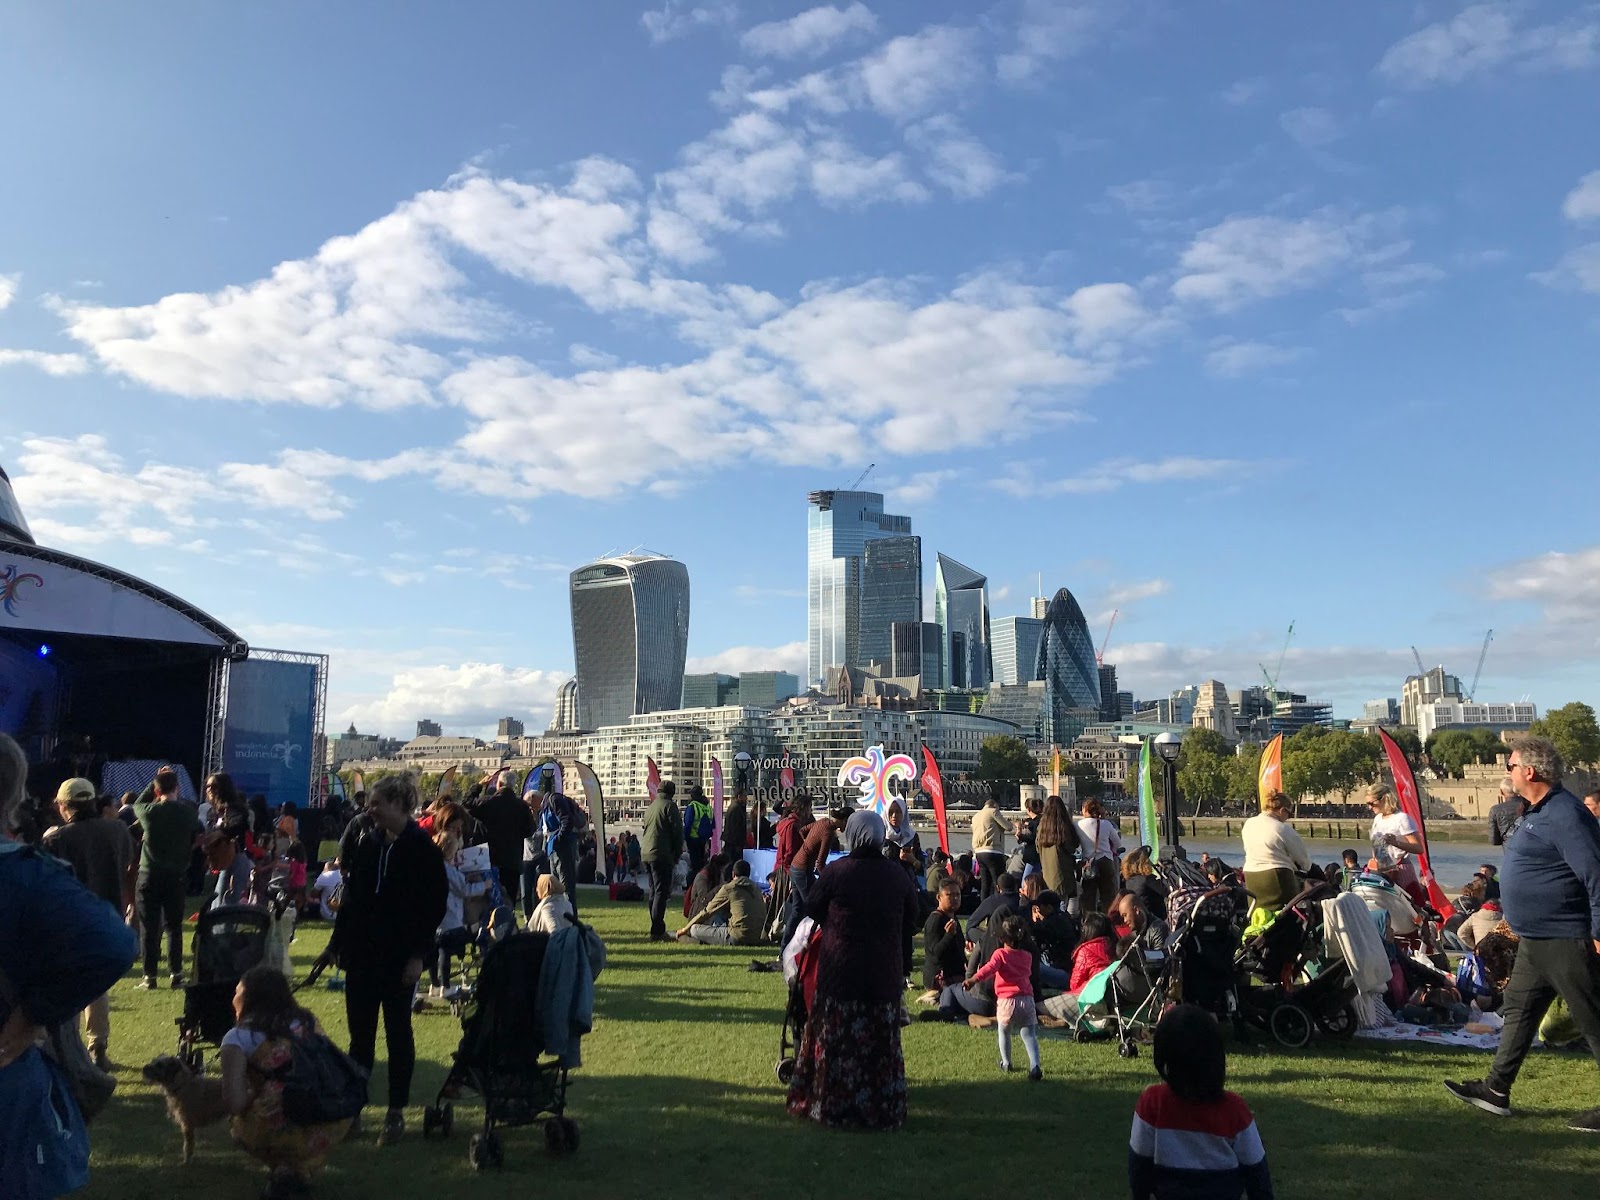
(322, 1084)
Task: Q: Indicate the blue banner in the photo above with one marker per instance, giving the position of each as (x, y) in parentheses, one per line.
(269, 735)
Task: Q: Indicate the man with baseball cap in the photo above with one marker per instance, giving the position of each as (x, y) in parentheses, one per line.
(98, 850)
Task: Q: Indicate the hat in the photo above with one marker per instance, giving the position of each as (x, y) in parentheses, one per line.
(74, 791)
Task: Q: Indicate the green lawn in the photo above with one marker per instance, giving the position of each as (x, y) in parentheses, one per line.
(677, 1098)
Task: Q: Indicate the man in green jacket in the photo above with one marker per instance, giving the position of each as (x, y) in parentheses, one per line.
(660, 846)
(171, 829)
(746, 912)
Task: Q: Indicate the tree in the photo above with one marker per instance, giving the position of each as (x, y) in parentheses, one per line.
(1410, 745)
(1208, 741)
(1573, 729)
(1244, 769)
(1086, 778)
(1004, 764)
(1203, 774)
(1452, 751)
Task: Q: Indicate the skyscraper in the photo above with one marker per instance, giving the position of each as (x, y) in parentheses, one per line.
(1015, 652)
(1067, 666)
(564, 718)
(12, 525)
(838, 527)
(891, 591)
(961, 609)
(630, 634)
(916, 651)
(1110, 708)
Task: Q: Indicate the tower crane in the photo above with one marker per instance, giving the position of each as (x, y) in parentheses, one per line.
(1417, 658)
(1472, 691)
(1272, 679)
(859, 478)
(1100, 654)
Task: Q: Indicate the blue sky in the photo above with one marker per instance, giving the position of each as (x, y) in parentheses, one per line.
(361, 325)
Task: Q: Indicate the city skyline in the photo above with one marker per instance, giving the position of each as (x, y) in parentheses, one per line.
(1222, 318)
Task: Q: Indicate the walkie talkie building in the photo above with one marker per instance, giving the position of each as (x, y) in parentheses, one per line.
(630, 634)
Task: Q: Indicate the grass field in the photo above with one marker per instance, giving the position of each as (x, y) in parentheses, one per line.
(677, 1098)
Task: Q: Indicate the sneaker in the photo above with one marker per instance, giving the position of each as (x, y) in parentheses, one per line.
(1005, 1068)
(1035, 1074)
(147, 984)
(1477, 1093)
(177, 980)
(394, 1128)
(435, 992)
(1585, 1122)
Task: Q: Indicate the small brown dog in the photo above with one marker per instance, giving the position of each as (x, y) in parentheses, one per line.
(193, 1101)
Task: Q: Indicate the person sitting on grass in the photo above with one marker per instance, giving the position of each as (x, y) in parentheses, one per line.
(1191, 1137)
(554, 908)
(741, 899)
(257, 1054)
(1055, 932)
(943, 945)
(705, 884)
(1011, 968)
(1093, 955)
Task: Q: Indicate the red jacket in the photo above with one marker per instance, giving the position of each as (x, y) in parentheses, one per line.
(1088, 960)
(790, 831)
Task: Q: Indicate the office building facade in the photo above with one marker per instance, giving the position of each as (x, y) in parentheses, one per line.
(765, 689)
(1430, 687)
(564, 717)
(961, 610)
(1015, 651)
(1465, 714)
(630, 636)
(710, 691)
(916, 651)
(1110, 698)
(1068, 669)
(891, 593)
(839, 524)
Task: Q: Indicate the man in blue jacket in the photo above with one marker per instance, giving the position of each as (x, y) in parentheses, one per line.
(1550, 889)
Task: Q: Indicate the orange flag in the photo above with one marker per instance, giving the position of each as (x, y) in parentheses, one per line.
(1270, 777)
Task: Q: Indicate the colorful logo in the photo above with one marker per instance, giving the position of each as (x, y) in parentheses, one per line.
(871, 774)
(11, 582)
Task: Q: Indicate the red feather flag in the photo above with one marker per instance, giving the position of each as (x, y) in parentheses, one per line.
(933, 784)
(652, 779)
(1405, 786)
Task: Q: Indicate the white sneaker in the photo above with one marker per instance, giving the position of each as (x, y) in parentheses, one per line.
(435, 993)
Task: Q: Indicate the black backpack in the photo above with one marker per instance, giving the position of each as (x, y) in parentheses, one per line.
(322, 1083)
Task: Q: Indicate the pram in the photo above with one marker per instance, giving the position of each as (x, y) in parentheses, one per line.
(1124, 1000)
(500, 1056)
(228, 941)
(1205, 939)
(1288, 984)
(495, 920)
(800, 973)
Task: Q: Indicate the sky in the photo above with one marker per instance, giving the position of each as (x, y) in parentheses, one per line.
(360, 326)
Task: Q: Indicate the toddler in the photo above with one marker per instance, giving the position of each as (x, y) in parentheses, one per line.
(1011, 967)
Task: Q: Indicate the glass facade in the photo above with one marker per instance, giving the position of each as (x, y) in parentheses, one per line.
(630, 635)
(891, 591)
(1071, 677)
(1015, 652)
(838, 527)
(1110, 707)
(961, 610)
(915, 650)
(766, 689)
(709, 691)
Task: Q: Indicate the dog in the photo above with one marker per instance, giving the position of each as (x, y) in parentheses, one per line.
(193, 1101)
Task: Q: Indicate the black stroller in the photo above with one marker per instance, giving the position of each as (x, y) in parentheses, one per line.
(1206, 930)
(500, 1056)
(1288, 984)
(228, 941)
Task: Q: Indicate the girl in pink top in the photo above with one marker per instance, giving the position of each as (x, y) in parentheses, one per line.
(1011, 968)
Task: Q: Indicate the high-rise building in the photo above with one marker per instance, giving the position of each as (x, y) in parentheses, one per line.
(1457, 714)
(508, 728)
(1381, 712)
(1040, 607)
(709, 691)
(916, 650)
(564, 718)
(961, 610)
(838, 527)
(765, 689)
(630, 635)
(1110, 704)
(13, 527)
(1070, 674)
(891, 591)
(1428, 688)
(427, 728)
(1015, 652)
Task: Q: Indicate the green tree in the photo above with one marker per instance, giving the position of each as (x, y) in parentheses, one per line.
(1573, 729)
(1410, 744)
(1005, 763)
(1452, 751)
(1244, 769)
(1203, 774)
(1086, 779)
(1207, 740)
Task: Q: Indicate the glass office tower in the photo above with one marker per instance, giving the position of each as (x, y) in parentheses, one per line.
(630, 635)
(891, 591)
(961, 610)
(1015, 652)
(838, 527)
(1071, 676)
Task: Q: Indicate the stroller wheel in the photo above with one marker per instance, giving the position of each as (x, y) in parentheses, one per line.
(430, 1121)
(1127, 1050)
(785, 1071)
(447, 1119)
(560, 1136)
(485, 1151)
(1291, 1025)
(1080, 1034)
(1342, 1024)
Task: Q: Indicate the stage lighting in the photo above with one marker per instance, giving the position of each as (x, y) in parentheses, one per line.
(44, 651)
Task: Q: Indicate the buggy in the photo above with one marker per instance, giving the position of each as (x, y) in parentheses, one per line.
(800, 973)
(228, 941)
(1289, 983)
(1206, 930)
(1125, 999)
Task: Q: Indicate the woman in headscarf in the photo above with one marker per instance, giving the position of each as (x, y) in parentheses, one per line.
(898, 834)
(850, 1072)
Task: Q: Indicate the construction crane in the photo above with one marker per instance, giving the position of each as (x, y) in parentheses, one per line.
(1100, 654)
(859, 478)
(1272, 679)
(1472, 691)
(1421, 670)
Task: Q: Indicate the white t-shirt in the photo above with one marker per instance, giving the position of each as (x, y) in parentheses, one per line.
(1098, 837)
(324, 887)
(1397, 823)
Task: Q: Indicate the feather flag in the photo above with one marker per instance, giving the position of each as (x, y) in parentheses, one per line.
(530, 785)
(491, 781)
(1055, 770)
(652, 778)
(357, 782)
(447, 781)
(1405, 786)
(1149, 826)
(336, 787)
(786, 780)
(1269, 778)
(933, 784)
(716, 800)
(596, 802)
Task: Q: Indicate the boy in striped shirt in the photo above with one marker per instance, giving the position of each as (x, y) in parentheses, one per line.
(1192, 1139)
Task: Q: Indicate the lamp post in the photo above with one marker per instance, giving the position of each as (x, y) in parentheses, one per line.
(1168, 746)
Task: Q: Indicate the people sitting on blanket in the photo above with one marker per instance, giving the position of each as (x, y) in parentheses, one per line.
(898, 835)
(705, 884)
(1130, 920)
(939, 869)
(1055, 933)
(257, 1054)
(1482, 922)
(1191, 1136)
(740, 901)
(944, 951)
(1094, 953)
(553, 909)
(453, 937)
(1012, 967)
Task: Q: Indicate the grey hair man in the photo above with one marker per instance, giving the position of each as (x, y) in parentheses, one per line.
(1506, 814)
(1550, 890)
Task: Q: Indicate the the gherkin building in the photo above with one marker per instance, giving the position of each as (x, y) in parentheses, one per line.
(1071, 676)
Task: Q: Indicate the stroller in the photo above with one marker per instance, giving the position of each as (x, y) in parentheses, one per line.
(800, 973)
(1205, 939)
(496, 920)
(500, 1056)
(1124, 1000)
(228, 941)
(1288, 983)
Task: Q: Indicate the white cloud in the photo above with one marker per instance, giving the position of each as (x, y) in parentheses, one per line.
(1486, 36)
(1245, 358)
(1131, 593)
(1581, 204)
(957, 161)
(1244, 92)
(1141, 195)
(1578, 268)
(1565, 585)
(1313, 128)
(813, 32)
(8, 289)
(1255, 258)
(909, 75)
(791, 657)
(1050, 30)
(676, 18)
(921, 489)
(467, 699)
(50, 364)
(1118, 473)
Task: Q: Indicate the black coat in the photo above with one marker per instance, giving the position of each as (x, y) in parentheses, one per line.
(394, 899)
(735, 824)
(506, 822)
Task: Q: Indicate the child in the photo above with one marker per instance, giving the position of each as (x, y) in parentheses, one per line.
(554, 907)
(1092, 955)
(943, 948)
(1011, 967)
(453, 937)
(1190, 1136)
(296, 882)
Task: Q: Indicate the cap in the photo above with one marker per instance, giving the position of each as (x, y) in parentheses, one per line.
(74, 790)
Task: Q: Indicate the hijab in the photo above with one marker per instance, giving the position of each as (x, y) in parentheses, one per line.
(901, 834)
(863, 833)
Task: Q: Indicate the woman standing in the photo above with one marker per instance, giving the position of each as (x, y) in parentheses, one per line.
(1273, 852)
(1101, 845)
(849, 1072)
(989, 846)
(1057, 846)
(1395, 842)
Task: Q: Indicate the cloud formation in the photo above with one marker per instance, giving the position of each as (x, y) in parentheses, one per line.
(1484, 37)
(1583, 202)
(812, 33)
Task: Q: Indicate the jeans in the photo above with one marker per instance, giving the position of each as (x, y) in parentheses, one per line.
(1546, 968)
(800, 881)
(713, 935)
(990, 867)
(451, 943)
(367, 992)
(697, 856)
(233, 881)
(659, 871)
(564, 866)
(1054, 977)
(957, 1003)
(161, 899)
(530, 888)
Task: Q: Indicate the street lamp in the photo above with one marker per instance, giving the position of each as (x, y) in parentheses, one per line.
(1168, 746)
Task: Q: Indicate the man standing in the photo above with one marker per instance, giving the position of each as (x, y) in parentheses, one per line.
(697, 824)
(170, 830)
(1550, 889)
(562, 822)
(820, 840)
(507, 823)
(660, 845)
(98, 850)
(1506, 815)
